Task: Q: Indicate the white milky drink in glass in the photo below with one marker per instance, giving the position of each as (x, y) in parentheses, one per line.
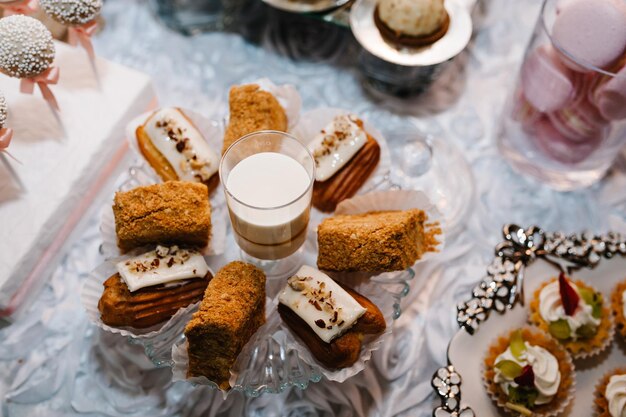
(268, 181)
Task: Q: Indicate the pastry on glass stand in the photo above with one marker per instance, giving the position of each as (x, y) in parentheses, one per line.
(150, 288)
(232, 310)
(176, 149)
(330, 319)
(381, 241)
(174, 212)
(345, 156)
(252, 109)
(411, 23)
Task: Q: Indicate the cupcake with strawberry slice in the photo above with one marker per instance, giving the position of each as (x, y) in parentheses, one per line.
(575, 314)
(527, 372)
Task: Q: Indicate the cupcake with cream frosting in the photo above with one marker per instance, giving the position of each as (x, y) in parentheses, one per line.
(527, 372)
(610, 395)
(618, 305)
(411, 23)
(575, 314)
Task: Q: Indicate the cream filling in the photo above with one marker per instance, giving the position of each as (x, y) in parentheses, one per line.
(336, 144)
(616, 395)
(178, 140)
(326, 307)
(163, 265)
(545, 367)
(551, 309)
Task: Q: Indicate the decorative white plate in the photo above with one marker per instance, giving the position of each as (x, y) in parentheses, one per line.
(499, 303)
(450, 45)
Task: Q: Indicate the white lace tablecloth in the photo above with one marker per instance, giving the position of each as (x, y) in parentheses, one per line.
(54, 363)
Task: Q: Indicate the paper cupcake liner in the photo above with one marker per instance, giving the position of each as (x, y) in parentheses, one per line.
(312, 122)
(617, 307)
(582, 348)
(538, 337)
(92, 291)
(434, 227)
(600, 401)
(137, 177)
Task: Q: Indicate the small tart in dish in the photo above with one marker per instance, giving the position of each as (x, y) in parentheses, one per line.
(345, 156)
(618, 305)
(148, 289)
(610, 394)
(176, 150)
(527, 372)
(575, 314)
(330, 319)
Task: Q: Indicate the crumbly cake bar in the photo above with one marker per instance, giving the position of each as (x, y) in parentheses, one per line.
(174, 212)
(251, 110)
(233, 308)
(371, 242)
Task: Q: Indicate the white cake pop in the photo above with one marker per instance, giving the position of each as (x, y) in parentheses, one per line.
(72, 12)
(26, 49)
(3, 111)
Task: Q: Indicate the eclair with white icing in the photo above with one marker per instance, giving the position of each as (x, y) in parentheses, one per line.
(150, 288)
(176, 150)
(329, 318)
(345, 156)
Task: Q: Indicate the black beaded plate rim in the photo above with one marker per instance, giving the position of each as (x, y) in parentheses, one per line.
(502, 288)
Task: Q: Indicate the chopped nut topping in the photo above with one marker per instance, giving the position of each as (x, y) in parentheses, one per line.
(320, 323)
(342, 131)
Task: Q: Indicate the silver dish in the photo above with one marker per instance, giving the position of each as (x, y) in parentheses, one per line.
(446, 48)
(523, 261)
(306, 6)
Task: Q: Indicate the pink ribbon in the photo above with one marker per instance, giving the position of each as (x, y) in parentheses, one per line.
(50, 76)
(6, 135)
(20, 7)
(82, 34)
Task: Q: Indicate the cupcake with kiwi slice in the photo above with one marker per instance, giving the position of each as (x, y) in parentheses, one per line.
(528, 373)
(575, 314)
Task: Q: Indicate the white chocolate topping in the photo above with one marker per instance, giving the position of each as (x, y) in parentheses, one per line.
(26, 49)
(72, 12)
(161, 266)
(3, 110)
(182, 145)
(326, 307)
(545, 367)
(336, 144)
(615, 394)
(551, 309)
(412, 17)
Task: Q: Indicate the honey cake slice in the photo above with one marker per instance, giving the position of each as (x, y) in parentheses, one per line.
(252, 109)
(233, 308)
(371, 242)
(174, 212)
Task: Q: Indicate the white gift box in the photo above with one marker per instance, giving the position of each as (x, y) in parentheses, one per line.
(67, 161)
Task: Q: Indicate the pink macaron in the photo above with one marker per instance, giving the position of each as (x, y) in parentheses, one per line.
(546, 82)
(593, 31)
(556, 146)
(523, 112)
(580, 121)
(610, 96)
